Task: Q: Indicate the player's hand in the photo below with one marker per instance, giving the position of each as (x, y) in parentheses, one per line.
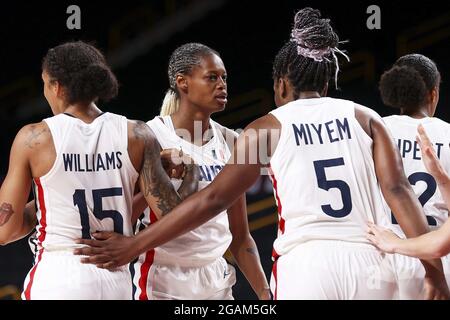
(382, 238)
(6, 212)
(435, 288)
(174, 162)
(429, 157)
(108, 250)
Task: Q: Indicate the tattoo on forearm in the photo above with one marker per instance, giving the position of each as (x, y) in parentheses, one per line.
(6, 211)
(32, 139)
(155, 180)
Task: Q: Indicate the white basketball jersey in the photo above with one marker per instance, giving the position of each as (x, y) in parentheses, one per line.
(323, 174)
(90, 186)
(404, 131)
(209, 241)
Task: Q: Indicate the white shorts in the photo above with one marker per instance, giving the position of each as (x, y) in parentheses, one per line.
(60, 275)
(213, 281)
(333, 270)
(410, 274)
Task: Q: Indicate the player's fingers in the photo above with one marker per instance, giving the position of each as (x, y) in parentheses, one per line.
(423, 135)
(88, 251)
(372, 239)
(97, 259)
(103, 235)
(373, 229)
(429, 151)
(108, 265)
(89, 242)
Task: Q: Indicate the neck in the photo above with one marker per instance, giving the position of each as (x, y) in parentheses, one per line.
(308, 95)
(191, 118)
(417, 114)
(84, 112)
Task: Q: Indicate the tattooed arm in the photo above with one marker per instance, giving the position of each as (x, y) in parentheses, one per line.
(244, 249)
(15, 189)
(176, 166)
(154, 182)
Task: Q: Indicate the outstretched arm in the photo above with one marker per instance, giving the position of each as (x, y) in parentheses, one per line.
(226, 188)
(432, 245)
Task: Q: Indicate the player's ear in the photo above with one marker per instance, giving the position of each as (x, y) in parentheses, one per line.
(182, 83)
(283, 87)
(58, 89)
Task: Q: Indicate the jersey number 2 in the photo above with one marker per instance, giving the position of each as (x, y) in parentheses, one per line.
(326, 184)
(79, 200)
(426, 195)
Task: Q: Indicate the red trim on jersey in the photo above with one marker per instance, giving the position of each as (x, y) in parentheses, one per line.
(275, 276)
(281, 223)
(279, 205)
(145, 267)
(42, 234)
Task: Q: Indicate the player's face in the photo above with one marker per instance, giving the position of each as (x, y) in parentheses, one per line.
(49, 92)
(207, 84)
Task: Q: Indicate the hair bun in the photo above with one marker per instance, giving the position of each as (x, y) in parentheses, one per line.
(402, 87)
(96, 80)
(312, 32)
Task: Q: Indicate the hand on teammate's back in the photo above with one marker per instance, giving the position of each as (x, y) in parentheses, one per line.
(108, 250)
(382, 238)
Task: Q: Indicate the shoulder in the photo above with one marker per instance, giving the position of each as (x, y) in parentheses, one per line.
(368, 119)
(227, 133)
(440, 122)
(140, 132)
(34, 135)
(269, 121)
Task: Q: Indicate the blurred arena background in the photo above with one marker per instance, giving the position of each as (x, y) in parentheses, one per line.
(138, 37)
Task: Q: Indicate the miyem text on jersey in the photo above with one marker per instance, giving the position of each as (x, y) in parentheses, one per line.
(328, 132)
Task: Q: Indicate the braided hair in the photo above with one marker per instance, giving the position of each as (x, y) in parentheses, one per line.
(308, 59)
(82, 70)
(407, 84)
(182, 61)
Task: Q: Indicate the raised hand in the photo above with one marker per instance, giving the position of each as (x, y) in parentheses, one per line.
(429, 157)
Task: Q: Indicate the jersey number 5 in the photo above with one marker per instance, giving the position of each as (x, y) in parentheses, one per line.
(326, 184)
(79, 200)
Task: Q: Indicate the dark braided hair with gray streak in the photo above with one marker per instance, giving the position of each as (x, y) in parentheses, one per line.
(308, 59)
(182, 61)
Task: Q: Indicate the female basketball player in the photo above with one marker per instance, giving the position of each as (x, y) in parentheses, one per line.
(412, 85)
(84, 165)
(434, 244)
(191, 266)
(326, 157)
